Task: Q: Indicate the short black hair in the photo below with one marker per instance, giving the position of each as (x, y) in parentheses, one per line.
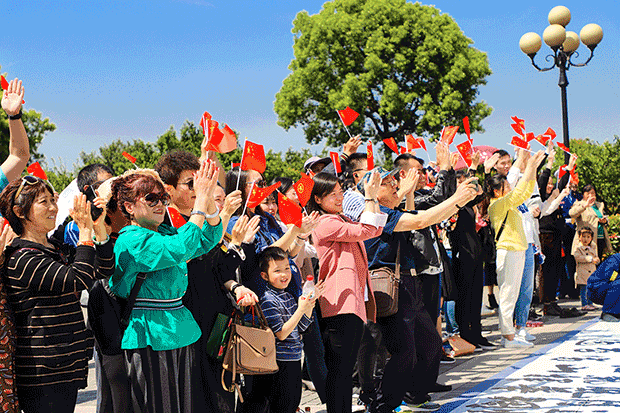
(173, 163)
(586, 229)
(588, 188)
(501, 152)
(270, 254)
(89, 174)
(402, 159)
(356, 158)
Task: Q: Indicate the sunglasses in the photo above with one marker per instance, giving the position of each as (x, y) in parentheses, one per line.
(189, 184)
(153, 199)
(30, 180)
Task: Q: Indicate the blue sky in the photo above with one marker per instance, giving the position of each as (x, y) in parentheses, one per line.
(130, 69)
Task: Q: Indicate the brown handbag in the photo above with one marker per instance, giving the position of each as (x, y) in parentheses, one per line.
(460, 346)
(384, 282)
(251, 349)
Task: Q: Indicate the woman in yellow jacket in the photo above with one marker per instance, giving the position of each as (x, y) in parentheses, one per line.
(510, 241)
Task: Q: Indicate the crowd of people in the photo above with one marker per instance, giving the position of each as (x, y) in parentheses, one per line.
(184, 234)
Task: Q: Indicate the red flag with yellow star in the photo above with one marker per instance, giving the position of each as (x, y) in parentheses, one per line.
(448, 134)
(303, 187)
(289, 211)
(253, 157)
(258, 194)
(176, 219)
(348, 116)
(36, 170)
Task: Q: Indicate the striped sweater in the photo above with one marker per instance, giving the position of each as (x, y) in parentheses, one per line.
(52, 343)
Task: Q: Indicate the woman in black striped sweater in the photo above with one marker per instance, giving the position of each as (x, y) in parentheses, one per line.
(52, 344)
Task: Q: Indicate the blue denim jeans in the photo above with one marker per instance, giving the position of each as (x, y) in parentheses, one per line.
(585, 300)
(522, 308)
(448, 310)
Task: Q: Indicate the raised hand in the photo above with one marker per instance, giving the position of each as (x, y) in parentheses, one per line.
(309, 223)
(536, 159)
(475, 160)
(454, 159)
(81, 213)
(409, 182)
(352, 144)
(466, 191)
(443, 156)
(491, 162)
(572, 162)
(12, 97)
(6, 236)
(232, 202)
(372, 185)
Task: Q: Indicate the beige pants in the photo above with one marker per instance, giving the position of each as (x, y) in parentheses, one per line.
(509, 273)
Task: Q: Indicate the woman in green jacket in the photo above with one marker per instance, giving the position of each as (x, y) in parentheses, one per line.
(158, 342)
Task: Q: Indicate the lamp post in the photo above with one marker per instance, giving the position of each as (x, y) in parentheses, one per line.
(564, 45)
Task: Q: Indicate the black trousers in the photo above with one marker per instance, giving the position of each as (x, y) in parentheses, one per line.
(274, 393)
(371, 357)
(161, 380)
(469, 281)
(113, 388)
(56, 398)
(412, 339)
(553, 267)
(568, 233)
(431, 294)
(342, 335)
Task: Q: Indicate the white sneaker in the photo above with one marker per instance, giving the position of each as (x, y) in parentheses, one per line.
(525, 335)
(518, 342)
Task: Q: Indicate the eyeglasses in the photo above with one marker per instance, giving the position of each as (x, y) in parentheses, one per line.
(153, 199)
(29, 180)
(260, 183)
(391, 182)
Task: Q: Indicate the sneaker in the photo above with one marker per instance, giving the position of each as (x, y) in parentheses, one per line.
(525, 335)
(552, 309)
(477, 348)
(486, 344)
(438, 388)
(518, 342)
(533, 316)
(445, 359)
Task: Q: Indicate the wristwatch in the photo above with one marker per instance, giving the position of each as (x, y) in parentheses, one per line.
(238, 250)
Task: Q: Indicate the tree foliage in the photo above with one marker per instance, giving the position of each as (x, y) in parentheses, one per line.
(406, 68)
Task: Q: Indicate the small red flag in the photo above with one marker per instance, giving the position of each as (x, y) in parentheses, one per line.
(542, 139)
(448, 134)
(391, 143)
(550, 133)
(529, 136)
(403, 149)
(518, 142)
(562, 171)
(222, 140)
(348, 116)
(289, 211)
(129, 158)
(466, 151)
(518, 121)
(258, 194)
(4, 83)
(563, 147)
(422, 143)
(176, 219)
(336, 161)
(310, 173)
(412, 143)
(370, 157)
(253, 157)
(466, 126)
(36, 170)
(518, 128)
(233, 165)
(303, 187)
(203, 122)
(574, 177)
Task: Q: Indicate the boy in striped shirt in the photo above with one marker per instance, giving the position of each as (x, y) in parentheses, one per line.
(287, 319)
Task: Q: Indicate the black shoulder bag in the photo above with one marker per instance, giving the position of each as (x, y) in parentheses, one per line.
(108, 314)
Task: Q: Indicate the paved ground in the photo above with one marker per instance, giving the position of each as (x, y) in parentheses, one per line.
(464, 375)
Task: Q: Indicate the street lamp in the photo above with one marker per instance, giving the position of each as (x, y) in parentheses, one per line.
(564, 45)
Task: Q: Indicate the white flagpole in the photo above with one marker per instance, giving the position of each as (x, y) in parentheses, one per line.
(345, 126)
(247, 199)
(239, 175)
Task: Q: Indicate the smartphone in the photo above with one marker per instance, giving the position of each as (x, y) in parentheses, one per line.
(476, 184)
(95, 212)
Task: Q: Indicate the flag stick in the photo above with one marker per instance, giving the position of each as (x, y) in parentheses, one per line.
(239, 175)
(544, 146)
(521, 148)
(247, 199)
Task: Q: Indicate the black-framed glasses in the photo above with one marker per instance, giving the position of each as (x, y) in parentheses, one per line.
(153, 199)
(30, 180)
(260, 183)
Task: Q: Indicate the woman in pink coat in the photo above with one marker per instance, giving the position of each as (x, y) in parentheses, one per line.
(348, 300)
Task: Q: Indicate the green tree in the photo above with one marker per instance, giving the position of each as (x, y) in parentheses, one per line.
(406, 68)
